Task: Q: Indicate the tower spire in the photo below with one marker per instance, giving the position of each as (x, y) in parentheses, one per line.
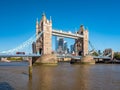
(43, 17)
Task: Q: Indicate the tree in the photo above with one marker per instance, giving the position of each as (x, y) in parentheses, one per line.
(95, 54)
(117, 56)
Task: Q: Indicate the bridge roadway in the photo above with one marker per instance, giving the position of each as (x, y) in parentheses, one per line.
(19, 55)
(101, 57)
(79, 57)
(66, 34)
(59, 56)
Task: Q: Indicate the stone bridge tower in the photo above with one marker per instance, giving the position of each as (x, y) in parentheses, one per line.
(109, 52)
(81, 44)
(44, 43)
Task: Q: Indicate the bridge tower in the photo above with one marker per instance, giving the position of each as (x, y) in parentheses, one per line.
(109, 52)
(44, 43)
(81, 44)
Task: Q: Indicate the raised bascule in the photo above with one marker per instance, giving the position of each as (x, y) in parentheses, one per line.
(44, 43)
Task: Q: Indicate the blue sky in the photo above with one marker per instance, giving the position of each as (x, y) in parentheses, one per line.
(101, 17)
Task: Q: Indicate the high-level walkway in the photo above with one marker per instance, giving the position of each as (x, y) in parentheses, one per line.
(66, 34)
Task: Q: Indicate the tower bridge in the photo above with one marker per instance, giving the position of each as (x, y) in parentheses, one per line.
(44, 43)
(42, 46)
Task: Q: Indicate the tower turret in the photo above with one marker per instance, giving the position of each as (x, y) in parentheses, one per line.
(44, 17)
(81, 29)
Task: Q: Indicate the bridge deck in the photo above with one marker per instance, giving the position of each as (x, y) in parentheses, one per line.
(79, 57)
(20, 55)
(60, 56)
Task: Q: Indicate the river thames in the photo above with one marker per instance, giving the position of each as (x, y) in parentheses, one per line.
(64, 76)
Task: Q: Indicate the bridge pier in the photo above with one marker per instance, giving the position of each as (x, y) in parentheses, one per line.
(50, 59)
(87, 60)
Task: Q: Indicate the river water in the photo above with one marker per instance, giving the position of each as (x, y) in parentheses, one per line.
(64, 76)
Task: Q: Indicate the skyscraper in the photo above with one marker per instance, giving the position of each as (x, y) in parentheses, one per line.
(60, 44)
(72, 49)
(65, 45)
(34, 47)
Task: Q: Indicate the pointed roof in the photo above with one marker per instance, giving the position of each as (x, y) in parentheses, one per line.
(43, 17)
(82, 27)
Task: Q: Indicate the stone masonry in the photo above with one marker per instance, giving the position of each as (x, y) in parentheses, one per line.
(44, 43)
(81, 44)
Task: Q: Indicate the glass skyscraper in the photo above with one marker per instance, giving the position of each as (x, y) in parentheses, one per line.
(60, 44)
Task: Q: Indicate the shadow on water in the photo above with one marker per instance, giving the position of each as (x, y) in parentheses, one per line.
(13, 63)
(5, 86)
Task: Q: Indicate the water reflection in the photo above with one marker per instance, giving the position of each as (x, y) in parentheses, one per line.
(62, 77)
(76, 77)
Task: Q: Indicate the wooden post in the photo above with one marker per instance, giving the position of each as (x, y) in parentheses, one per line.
(30, 68)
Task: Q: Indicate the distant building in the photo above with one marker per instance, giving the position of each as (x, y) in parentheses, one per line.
(56, 43)
(72, 49)
(34, 47)
(66, 49)
(65, 46)
(109, 52)
(117, 52)
(60, 44)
